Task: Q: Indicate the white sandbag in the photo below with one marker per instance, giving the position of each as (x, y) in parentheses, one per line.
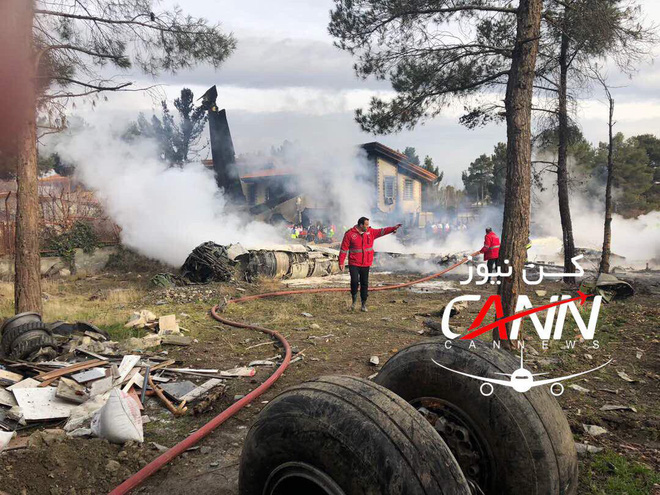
(82, 414)
(119, 420)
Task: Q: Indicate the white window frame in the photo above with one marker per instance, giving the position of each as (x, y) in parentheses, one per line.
(408, 189)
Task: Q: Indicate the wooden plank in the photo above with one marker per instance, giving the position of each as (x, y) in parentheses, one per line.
(41, 403)
(10, 377)
(135, 379)
(17, 443)
(90, 353)
(201, 390)
(171, 339)
(127, 364)
(164, 364)
(85, 365)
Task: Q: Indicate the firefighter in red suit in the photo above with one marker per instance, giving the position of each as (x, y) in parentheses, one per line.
(358, 245)
(491, 249)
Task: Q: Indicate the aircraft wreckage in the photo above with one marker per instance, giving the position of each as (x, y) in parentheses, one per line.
(211, 262)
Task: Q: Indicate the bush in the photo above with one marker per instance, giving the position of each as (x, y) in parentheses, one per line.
(64, 244)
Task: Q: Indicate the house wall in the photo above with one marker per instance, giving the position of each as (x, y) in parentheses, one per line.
(386, 168)
(413, 205)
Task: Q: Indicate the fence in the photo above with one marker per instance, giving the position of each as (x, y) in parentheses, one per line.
(61, 206)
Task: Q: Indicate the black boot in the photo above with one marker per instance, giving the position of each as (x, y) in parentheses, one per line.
(364, 305)
(354, 305)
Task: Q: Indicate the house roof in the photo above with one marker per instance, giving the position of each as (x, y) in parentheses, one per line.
(400, 159)
(372, 148)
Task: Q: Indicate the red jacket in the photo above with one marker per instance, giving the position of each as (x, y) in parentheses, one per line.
(491, 247)
(360, 246)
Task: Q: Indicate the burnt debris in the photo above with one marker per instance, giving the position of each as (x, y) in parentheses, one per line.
(222, 149)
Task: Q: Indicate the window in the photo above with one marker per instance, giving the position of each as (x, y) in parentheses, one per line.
(388, 189)
(408, 190)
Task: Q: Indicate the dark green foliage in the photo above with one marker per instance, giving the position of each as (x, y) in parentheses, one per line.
(413, 157)
(428, 165)
(83, 38)
(54, 162)
(633, 174)
(406, 43)
(478, 178)
(411, 153)
(64, 244)
(498, 184)
(651, 145)
(176, 137)
(485, 178)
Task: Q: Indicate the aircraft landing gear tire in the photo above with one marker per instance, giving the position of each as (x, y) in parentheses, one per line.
(340, 435)
(505, 441)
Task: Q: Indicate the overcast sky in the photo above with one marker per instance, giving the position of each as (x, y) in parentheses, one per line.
(287, 81)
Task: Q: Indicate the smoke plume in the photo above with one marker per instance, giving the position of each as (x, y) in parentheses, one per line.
(163, 212)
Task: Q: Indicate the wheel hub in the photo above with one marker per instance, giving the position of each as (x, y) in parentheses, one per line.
(462, 438)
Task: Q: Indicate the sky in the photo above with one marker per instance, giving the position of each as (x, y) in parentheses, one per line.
(286, 81)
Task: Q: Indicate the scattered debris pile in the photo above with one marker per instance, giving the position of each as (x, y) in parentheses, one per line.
(89, 388)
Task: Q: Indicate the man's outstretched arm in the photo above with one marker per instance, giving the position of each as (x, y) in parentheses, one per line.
(384, 231)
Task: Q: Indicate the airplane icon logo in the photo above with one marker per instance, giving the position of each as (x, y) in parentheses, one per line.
(522, 380)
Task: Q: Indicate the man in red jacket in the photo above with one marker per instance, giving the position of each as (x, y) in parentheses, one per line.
(358, 244)
(491, 249)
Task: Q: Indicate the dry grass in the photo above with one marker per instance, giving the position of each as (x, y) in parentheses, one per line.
(106, 307)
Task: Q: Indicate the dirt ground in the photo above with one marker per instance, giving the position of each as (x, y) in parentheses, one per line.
(335, 341)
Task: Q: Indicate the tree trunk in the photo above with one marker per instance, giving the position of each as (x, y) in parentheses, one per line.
(607, 234)
(562, 169)
(27, 280)
(518, 103)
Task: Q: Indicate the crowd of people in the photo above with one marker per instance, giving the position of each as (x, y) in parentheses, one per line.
(436, 230)
(315, 232)
(320, 232)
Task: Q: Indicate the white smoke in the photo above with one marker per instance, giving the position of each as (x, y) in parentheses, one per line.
(636, 239)
(163, 212)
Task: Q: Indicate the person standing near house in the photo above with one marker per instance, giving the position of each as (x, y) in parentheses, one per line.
(491, 249)
(358, 245)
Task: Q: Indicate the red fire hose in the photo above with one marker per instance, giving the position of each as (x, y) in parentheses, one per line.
(139, 477)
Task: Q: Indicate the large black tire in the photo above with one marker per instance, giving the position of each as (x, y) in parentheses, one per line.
(350, 437)
(22, 349)
(509, 442)
(9, 336)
